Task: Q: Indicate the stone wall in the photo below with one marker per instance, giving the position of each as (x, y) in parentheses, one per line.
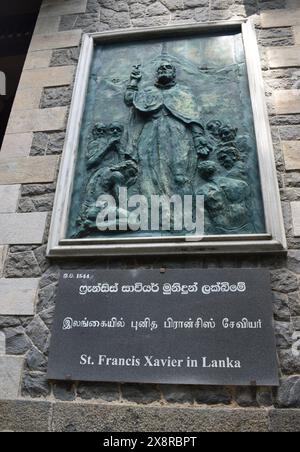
(29, 162)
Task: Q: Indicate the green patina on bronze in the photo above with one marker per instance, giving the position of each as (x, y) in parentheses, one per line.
(178, 121)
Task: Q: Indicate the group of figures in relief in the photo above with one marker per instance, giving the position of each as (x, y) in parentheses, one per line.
(165, 150)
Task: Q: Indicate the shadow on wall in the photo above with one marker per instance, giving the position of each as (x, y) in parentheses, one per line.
(17, 22)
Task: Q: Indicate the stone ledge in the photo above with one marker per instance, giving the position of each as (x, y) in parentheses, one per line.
(28, 170)
(119, 418)
(17, 296)
(33, 416)
(22, 228)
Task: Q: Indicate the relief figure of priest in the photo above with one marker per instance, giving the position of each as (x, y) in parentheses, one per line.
(171, 138)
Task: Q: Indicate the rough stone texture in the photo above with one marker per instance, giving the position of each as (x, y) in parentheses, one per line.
(46, 297)
(281, 307)
(115, 20)
(42, 203)
(35, 360)
(289, 363)
(40, 416)
(89, 23)
(213, 395)
(246, 397)
(48, 143)
(178, 394)
(56, 96)
(35, 385)
(10, 376)
(9, 321)
(285, 421)
(29, 258)
(9, 197)
(143, 394)
(293, 180)
(64, 391)
(47, 316)
(39, 334)
(17, 343)
(22, 264)
(294, 303)
(264, 397)
(37, 198)
(289, 393)
(294, 260)
(284, 281)
(65, 57)
(275, 37)
(103, 418)
(32, 190)
(108, 392)
(283, 331)
(289, 133)
(17, 296)
(24, 416)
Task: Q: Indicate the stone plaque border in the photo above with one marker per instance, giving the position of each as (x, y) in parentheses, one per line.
(273, 241)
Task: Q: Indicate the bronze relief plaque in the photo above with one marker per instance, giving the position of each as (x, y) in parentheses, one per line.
(167, 121)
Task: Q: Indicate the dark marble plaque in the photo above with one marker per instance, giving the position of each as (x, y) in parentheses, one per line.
(212, 327)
